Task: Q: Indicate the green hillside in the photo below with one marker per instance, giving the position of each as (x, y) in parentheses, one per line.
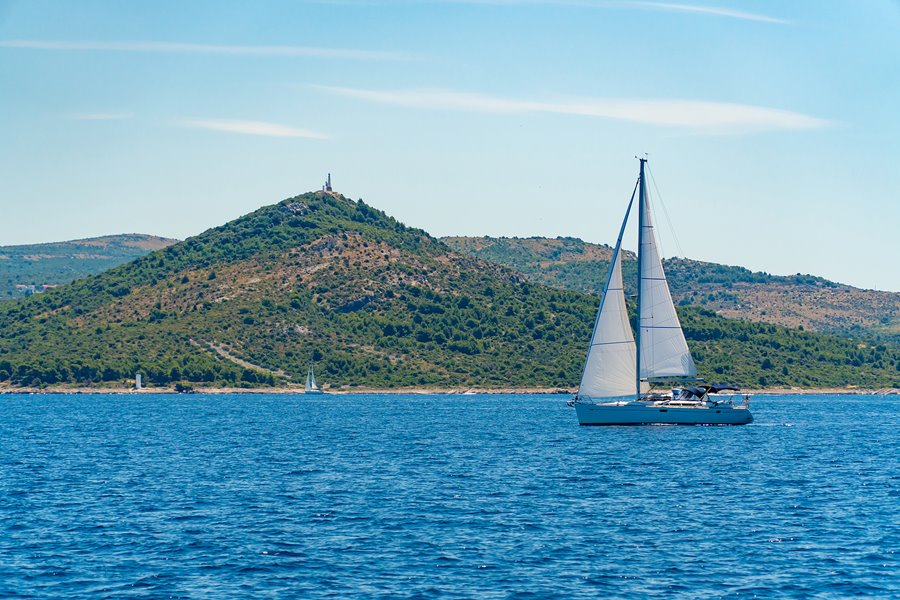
(735, 292)
(374, 303)
(39, 265)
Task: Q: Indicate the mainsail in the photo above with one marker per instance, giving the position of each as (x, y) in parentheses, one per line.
(663, 349)
(610, 368)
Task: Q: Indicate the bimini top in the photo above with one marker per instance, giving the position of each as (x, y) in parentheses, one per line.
(694, 391)
(702, 390)
(719, 387)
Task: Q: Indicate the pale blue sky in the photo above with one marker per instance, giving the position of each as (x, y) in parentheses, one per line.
(773, 127)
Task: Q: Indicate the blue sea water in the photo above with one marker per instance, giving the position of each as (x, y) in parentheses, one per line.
(151, 496)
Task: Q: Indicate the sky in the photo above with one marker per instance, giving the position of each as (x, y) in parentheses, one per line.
(772, 128)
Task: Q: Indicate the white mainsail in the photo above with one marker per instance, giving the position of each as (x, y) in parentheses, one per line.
(610, 368)
(663, 349)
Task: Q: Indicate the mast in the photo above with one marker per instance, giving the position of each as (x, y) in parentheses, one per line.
(637, 338)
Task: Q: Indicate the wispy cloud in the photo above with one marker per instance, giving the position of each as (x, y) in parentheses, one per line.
(711, 117)
(186, 48)
(712, 11)
(716, 11)
(100, 116)
(263, 128)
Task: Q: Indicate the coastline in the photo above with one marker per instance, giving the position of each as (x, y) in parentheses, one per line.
(555, 391)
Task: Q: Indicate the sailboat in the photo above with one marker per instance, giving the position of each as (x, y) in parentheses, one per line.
(311, 387)
(620, 368)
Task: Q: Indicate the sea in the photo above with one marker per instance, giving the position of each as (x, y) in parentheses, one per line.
(442, 496)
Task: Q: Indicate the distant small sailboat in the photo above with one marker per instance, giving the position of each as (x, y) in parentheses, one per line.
(311, 387)
(619, 370)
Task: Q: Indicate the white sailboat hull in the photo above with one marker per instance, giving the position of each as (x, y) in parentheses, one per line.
(644, 413)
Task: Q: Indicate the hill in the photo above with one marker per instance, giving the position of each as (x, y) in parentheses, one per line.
(794, 301)
(374, 303)
(35, 267)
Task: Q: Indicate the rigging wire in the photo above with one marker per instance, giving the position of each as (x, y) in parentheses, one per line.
(666, 214)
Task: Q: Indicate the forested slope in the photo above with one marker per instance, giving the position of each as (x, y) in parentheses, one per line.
(374, 303)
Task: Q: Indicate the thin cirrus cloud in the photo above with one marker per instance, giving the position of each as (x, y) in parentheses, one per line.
(710, 10)
(700, 9)
(261, 128)
(704, 116)
(186, 48)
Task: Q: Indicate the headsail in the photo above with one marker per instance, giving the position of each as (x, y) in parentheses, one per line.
(663, 349)
(610, 367)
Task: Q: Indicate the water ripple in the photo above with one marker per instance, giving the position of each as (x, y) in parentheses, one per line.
(441, 497)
